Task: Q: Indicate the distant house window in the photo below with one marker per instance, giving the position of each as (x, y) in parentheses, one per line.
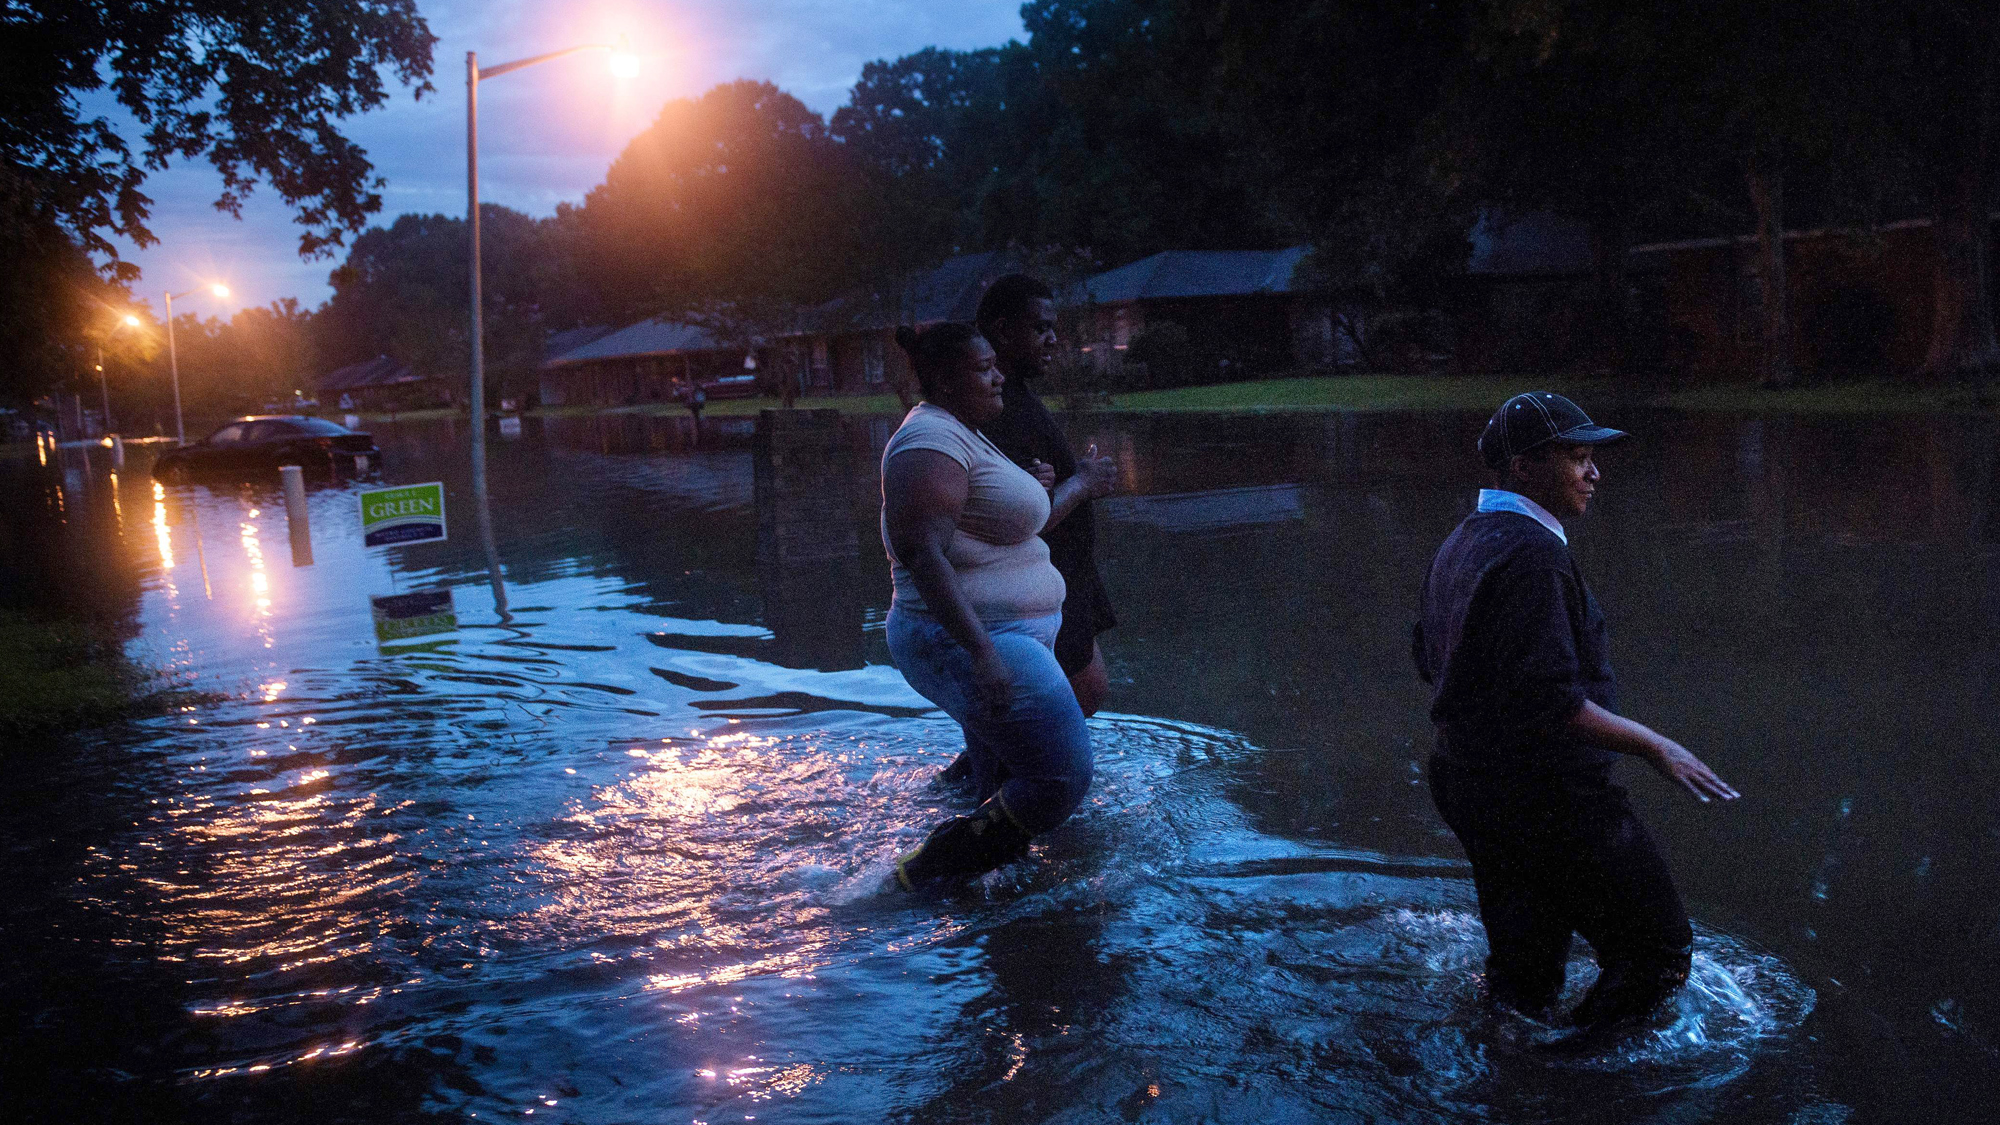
(871, 359)
(1121, 327)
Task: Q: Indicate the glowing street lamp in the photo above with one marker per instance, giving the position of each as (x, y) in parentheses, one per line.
(173, 359)
(103, 390)
(623, 65)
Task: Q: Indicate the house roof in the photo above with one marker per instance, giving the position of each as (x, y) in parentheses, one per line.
(1539, 242)
(648, 337)
(949, 291)
(571, 339)
(952, 290)
(1198, 273)
(378, 372)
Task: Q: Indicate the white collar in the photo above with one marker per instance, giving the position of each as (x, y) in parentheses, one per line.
(1500, 500)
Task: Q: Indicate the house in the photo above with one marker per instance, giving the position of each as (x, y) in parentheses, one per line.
(1522, 303)
(1241, 313)
(850, 344)
(383, 384)
(640, 363)
(1860, 301)
(844, 347)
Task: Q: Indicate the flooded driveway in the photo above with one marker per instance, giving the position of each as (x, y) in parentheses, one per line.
(601, 841)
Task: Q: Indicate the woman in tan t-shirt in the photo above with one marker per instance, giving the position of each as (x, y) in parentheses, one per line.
(977, 605)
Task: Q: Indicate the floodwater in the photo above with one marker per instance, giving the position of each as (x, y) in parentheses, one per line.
(605, 847)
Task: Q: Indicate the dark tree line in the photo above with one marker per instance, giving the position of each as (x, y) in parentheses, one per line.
(1376, 133)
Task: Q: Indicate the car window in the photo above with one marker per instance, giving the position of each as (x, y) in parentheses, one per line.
(320, 427)
(228, 435)
(269, 431)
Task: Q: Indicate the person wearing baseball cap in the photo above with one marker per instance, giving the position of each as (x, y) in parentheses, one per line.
(1525, 705)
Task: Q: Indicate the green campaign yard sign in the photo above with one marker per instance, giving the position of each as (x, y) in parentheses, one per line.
(412, 513)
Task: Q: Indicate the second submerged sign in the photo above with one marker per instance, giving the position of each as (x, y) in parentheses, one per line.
(412, 513)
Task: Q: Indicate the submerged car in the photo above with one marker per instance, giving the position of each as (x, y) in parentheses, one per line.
(257, 445)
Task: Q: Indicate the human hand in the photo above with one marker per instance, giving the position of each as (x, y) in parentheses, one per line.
(1044, 472)
(1682, 768)
(1099, 474)
(992, 683)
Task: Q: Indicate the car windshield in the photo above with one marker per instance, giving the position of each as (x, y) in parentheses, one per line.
(320, 427)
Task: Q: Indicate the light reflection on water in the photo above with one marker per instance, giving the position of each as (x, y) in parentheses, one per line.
(616, 854)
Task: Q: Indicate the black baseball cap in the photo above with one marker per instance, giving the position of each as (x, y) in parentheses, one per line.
(1537, 418)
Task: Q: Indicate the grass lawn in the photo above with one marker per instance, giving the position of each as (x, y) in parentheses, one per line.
(1406, 392)
(1354, 392)
(1484, 392)
(59, 676)
(742, 407)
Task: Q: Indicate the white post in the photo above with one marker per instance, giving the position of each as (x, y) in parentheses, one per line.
(297, 520)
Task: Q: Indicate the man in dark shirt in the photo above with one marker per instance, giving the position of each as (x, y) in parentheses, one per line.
(1525, 704)
(1017, 315)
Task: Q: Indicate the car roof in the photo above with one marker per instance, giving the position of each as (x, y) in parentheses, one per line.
(273, 418)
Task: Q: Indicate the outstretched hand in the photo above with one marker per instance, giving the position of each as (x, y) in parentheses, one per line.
(1682, 768)
(1099, 474)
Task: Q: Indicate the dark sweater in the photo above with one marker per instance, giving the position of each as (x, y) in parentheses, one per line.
(1026, 431)
(1513, 644)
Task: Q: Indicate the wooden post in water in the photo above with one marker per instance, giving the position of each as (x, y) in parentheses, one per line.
(808, 550)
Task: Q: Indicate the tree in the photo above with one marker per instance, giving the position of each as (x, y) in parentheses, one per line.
(401, 293)
(736, 209)
(256, 89)
(51, 300)
(930, 132)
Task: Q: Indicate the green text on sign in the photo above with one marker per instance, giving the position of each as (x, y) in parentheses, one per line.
(411, 513)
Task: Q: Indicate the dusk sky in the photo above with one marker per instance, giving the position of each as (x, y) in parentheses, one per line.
(547, 133)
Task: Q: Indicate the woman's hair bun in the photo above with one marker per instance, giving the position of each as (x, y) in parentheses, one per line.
(906, 339)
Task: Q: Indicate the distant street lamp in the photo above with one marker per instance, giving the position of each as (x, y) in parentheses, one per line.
(623, 65)
(173, 359)
(104, 390)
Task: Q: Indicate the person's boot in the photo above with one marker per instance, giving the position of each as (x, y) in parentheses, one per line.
(958, 773)
(1626, 999)
(971, 774)
(964, 848)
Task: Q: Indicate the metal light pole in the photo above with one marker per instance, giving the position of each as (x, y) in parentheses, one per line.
(173, 358)
(623, 66)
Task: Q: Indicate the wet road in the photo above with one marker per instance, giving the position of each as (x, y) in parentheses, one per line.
(606, 846)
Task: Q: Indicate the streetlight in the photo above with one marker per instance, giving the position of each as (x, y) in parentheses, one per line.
(126, 321)
(173, 359)
(623, 65)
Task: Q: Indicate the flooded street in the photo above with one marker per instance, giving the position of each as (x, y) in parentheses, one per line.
(604, 844)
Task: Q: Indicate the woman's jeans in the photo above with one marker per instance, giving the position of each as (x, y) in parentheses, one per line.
(1039, 742)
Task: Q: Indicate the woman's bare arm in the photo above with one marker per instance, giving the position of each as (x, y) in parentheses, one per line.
(923, 492)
